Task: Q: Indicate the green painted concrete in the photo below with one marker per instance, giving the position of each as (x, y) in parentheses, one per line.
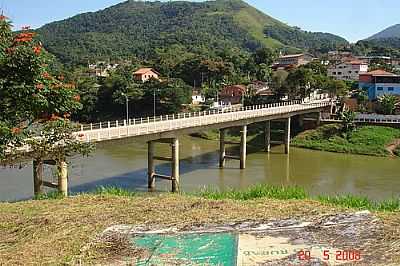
(188, 249)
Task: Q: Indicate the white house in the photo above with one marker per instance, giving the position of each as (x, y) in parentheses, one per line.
(348, 70)
(198, 98)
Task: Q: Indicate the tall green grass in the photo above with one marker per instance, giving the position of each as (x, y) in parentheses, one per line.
(114, 191)
(255, 192)
(297, 193)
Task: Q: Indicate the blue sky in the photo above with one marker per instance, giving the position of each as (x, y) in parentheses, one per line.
(351, 19)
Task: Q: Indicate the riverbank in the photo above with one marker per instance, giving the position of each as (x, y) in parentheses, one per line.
(366, 140)
(58, 231)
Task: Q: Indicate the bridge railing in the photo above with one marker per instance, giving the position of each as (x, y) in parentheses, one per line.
(146, 120)
(150, 125)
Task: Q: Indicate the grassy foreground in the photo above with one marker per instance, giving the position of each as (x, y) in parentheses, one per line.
(367, 140)
(57, 231)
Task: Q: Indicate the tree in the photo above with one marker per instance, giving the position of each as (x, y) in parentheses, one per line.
(299, 82)
(32, 101)
(278, 83)
(388, 104)
(362, 100)
(347, 118)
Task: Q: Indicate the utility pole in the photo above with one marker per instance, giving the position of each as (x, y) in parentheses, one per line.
(154, 102)
(127, 107)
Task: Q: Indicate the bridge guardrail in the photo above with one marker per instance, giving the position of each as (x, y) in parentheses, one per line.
(142, 126)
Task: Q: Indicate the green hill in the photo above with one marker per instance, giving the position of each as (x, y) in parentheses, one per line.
(390, 32)
(141, 29)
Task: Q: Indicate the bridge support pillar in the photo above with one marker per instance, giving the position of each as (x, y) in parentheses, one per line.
(287, 135)
(318, 119)
(37, 177)
(150, 166)
(243, 147)
(174, 160)
(62, 168)
(222, 149)
(175, 165)
(301, 121)
(267, 136)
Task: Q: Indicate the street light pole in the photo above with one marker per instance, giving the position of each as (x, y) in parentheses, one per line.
(154, 102)
(127, 107)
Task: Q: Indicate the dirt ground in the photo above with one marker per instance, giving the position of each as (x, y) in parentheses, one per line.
(67, 231)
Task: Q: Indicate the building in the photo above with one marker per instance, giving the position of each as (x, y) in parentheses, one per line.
(145, 74)
(198, 98)
(259, 88)
(379, 82)
(348, 70)
(232, 94)
(101, 69)
(372, 59)
(292, 61)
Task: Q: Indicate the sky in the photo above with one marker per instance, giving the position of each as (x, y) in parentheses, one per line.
(351, 19)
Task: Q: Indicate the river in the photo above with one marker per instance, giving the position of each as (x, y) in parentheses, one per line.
(123, 164)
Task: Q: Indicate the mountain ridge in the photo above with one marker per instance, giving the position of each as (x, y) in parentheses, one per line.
(140, 29)
(390, 32)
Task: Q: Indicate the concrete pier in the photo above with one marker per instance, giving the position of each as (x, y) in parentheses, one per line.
(222, 149)
(267, 136)
(150, 166)
(243, 147)
(287, 135)
(173, 160)
(63, 178)
(37, 177)
(175, 165)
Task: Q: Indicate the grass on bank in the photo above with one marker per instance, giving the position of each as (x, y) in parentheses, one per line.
(262, 192)
(297, 193)
(366, 140)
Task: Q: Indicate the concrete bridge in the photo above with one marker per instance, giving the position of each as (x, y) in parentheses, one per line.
(167, 129)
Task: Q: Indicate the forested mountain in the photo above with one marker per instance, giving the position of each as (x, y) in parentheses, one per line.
(391, 32)
(144, 30)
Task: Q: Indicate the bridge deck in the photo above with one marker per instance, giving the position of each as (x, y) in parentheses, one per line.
(170, 126)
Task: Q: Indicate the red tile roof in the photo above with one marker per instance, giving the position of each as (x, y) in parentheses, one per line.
(380, 72)
(143, 71)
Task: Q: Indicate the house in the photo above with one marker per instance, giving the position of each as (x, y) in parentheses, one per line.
(197, 98)
(259, 88)
(396, 64)
(348, 70)
(371, 59)
(101, 69)
(145, 74)
(379, 82)
(232, 94)
(292, 61)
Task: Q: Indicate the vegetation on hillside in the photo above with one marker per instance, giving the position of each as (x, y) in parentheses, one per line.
(151, 30)
(366, 140)
(314, 42)
(390, 32)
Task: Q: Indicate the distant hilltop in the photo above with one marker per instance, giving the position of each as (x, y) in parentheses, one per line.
(144, 29)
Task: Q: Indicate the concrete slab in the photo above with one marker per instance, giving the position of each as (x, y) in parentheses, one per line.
(342, 239)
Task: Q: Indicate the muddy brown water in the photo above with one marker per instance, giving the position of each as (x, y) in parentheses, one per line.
(123, 164)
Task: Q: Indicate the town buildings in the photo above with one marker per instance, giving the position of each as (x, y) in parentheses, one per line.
(145, 74)
(287, 62)
(378, 83)
(348, 70)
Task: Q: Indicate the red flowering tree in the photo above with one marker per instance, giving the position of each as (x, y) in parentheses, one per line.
(32, 101)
